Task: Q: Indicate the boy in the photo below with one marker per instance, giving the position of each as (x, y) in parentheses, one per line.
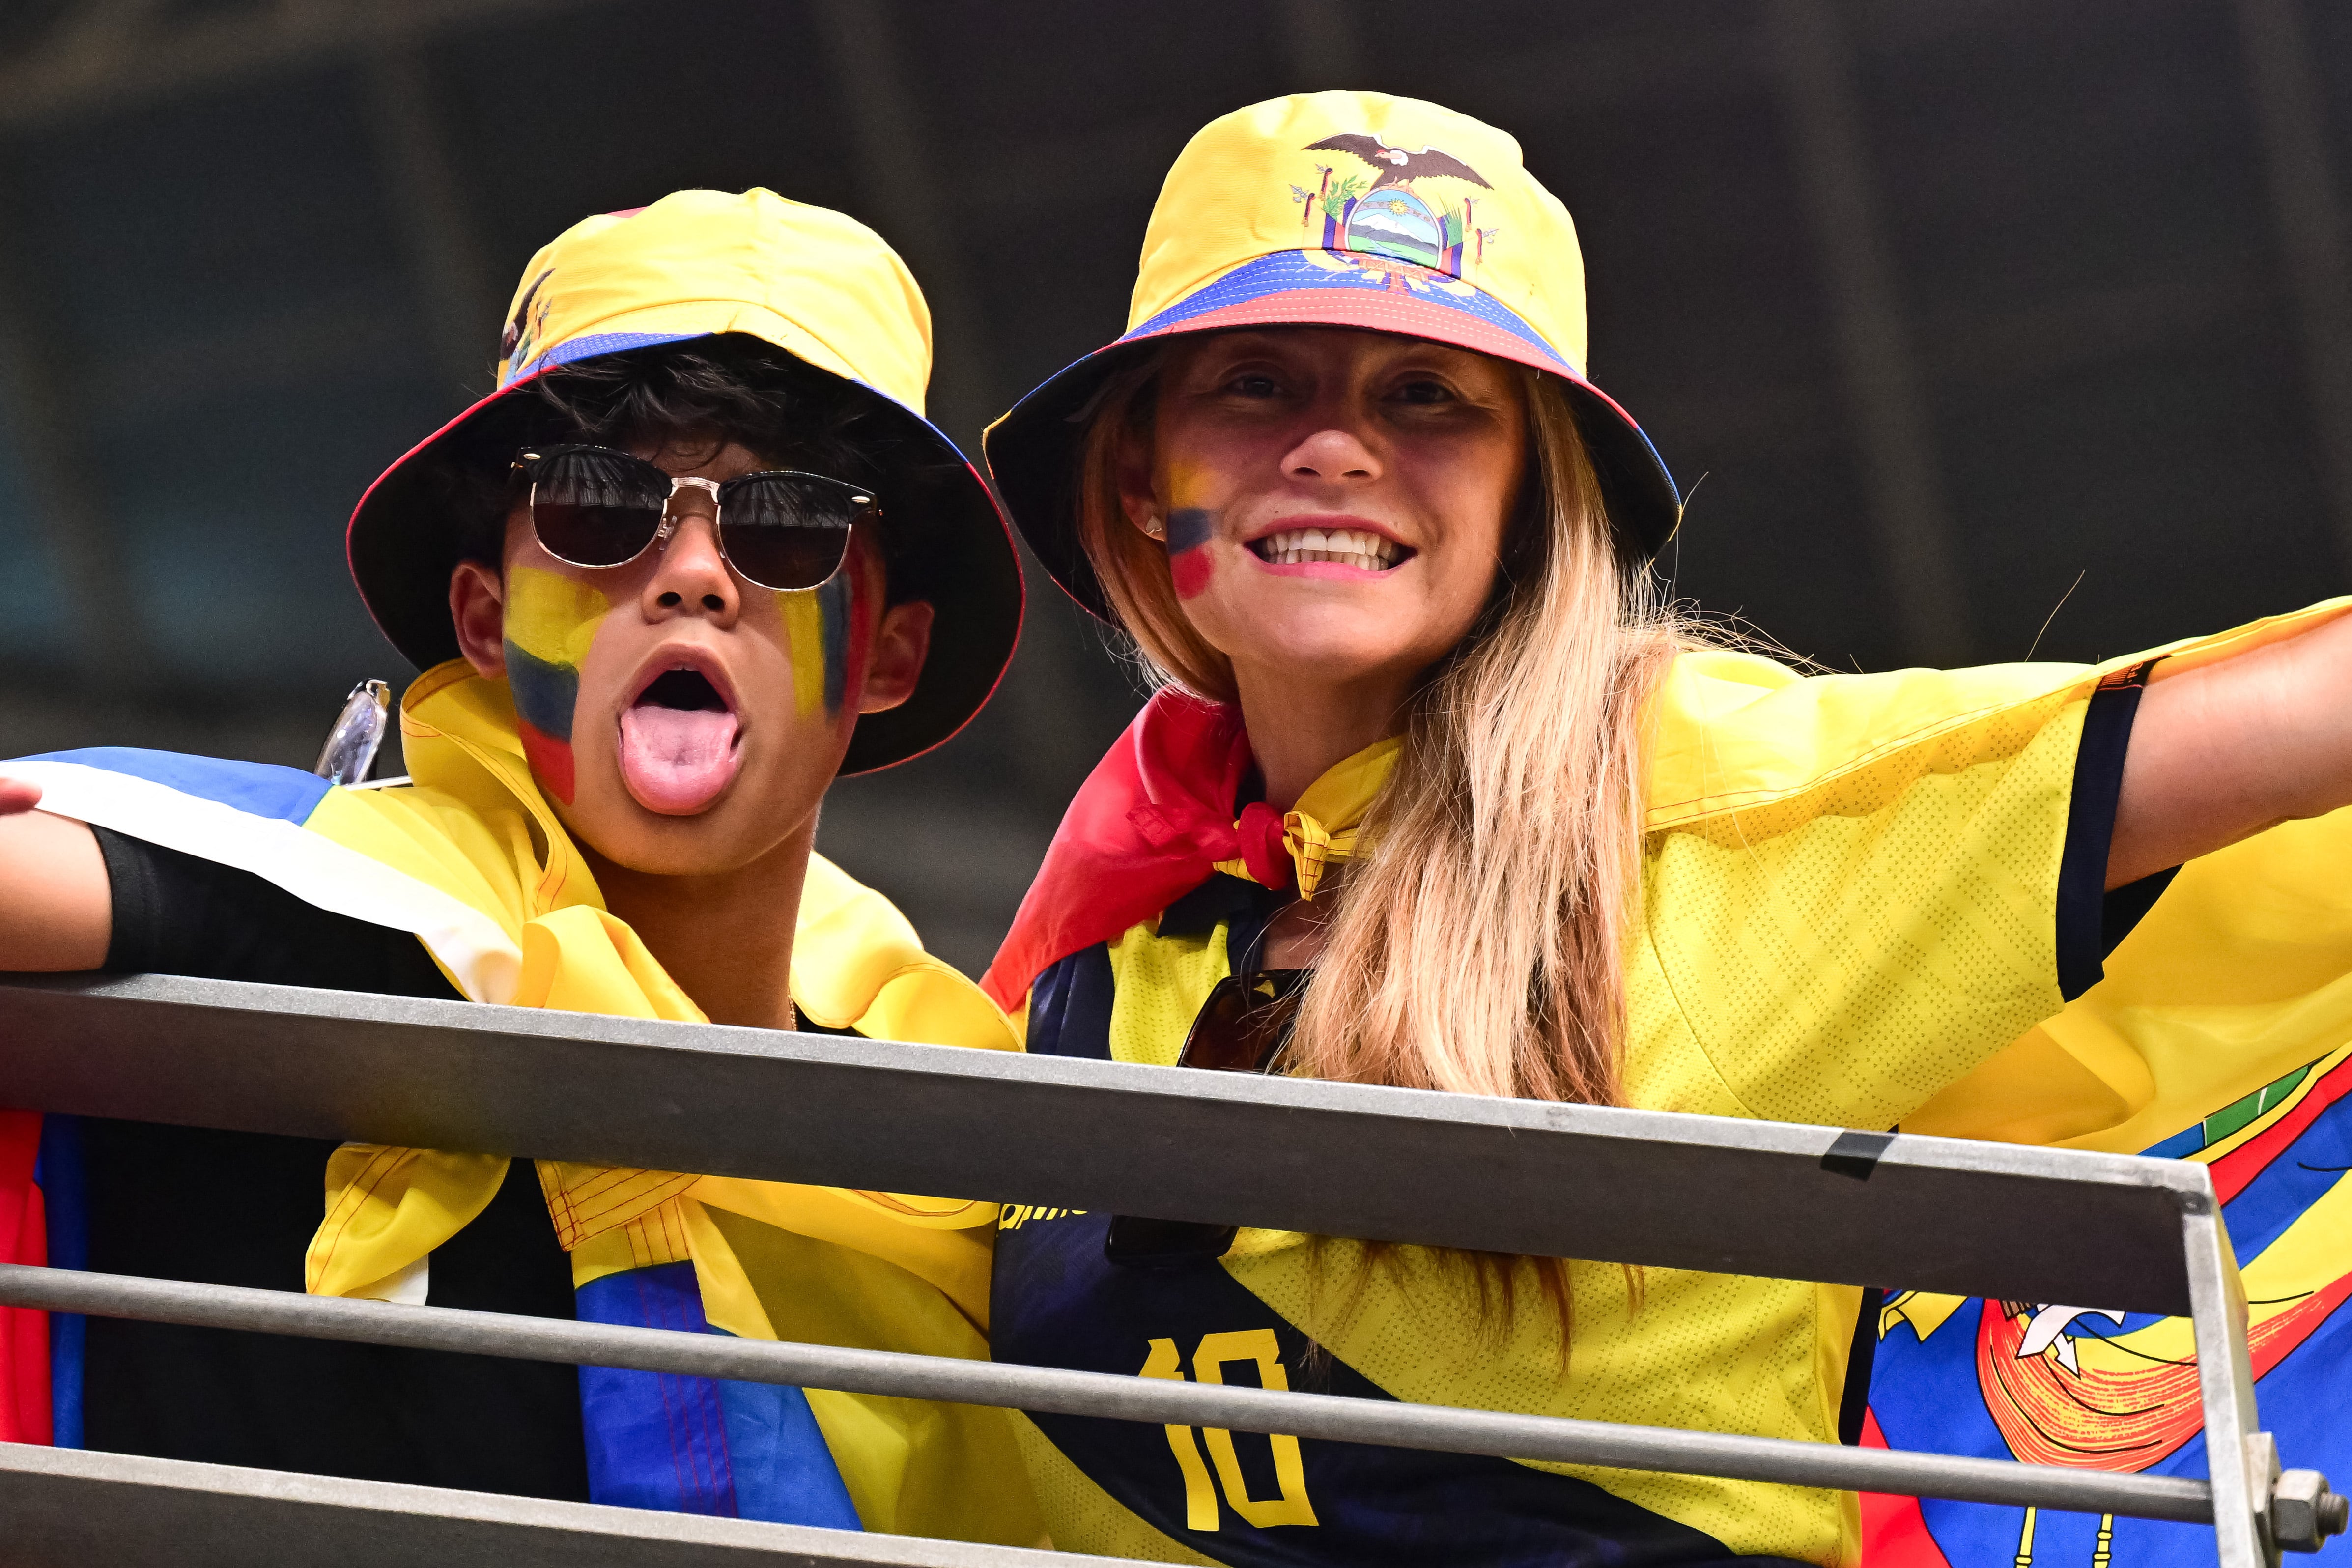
(698, 553)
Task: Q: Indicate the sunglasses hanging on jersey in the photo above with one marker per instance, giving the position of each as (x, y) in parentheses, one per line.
(593, 506)
(1242, 1027)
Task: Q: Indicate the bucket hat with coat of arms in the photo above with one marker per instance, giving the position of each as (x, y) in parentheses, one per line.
(1343, 209)
(699, 264)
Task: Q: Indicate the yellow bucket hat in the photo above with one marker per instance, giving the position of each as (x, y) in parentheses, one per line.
(1345, 209)
(821, 286)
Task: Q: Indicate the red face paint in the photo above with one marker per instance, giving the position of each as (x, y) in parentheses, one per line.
(861, 626)
(550, 759)
(1190, 528)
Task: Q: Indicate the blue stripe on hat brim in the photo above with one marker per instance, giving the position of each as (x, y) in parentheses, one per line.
(588, 346)
(1304, 288)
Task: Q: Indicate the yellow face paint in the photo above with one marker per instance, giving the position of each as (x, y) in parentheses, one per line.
(804, 642)
(551, 616)
(1187, 482)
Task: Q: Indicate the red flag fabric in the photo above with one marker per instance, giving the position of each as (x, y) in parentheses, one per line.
(24, 1239)
(1148, 826)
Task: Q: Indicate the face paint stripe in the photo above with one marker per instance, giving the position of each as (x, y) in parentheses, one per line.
(544, 694)
(1189, 528)
(804, 639)
(860, 629)
(834, 600)
(551, 616)
(550, 760)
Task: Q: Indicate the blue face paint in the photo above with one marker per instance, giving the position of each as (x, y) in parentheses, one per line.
(834, 598)
(822, 628)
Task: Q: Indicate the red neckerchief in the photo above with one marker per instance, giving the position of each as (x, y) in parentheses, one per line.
(1148, 826)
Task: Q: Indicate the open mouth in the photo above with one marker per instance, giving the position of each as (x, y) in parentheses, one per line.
(680, 743)
(1357, 547)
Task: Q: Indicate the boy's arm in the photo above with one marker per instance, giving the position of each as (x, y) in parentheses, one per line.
(56, 903)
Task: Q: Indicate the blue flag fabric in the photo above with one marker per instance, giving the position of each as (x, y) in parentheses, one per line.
(699, 1444)
(2062, 1384)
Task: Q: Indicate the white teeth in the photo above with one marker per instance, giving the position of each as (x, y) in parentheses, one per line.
(1359, 548)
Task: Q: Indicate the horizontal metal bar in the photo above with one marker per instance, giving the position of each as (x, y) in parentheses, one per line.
(64, 1508)
(1156, 1400)
(1637, 1186)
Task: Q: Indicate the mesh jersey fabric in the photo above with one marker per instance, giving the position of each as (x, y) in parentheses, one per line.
(1837, 959)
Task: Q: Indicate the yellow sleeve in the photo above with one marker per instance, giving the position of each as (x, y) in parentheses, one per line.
(1841, 953)
(2240, 974)
(1849, 908)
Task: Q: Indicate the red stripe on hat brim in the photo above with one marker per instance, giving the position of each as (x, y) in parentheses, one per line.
(1382, 313)
(351, 527)
(1386, 313)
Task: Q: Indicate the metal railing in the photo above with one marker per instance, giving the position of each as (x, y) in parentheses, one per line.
(1640, 1188)
(61, 1508)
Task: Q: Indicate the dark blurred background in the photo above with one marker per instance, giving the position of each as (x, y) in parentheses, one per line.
(1955, 305)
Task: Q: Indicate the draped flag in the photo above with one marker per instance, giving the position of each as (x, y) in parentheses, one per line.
(2057, 1384)
(470, 861)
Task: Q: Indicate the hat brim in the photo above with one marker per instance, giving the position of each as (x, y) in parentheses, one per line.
(402, 544)
(1032, 450)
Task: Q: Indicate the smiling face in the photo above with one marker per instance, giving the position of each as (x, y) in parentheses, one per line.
(1334, 502)
(682, 719)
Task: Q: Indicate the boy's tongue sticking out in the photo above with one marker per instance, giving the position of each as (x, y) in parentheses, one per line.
(679, 745)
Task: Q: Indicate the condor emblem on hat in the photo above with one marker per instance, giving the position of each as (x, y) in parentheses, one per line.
(1388, 218)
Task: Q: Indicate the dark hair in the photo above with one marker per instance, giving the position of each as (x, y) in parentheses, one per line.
(787, 413)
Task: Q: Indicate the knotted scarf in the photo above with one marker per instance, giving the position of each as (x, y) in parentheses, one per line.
(1155, 819)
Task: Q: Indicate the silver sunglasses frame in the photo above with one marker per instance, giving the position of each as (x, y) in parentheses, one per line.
(668, 524)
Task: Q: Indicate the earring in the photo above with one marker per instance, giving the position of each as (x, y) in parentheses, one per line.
(1154, 527)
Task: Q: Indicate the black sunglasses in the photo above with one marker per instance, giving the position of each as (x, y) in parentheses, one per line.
(593, 506)
(1242, 1027)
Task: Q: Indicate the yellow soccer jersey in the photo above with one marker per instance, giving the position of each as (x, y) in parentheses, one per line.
(1850, 895)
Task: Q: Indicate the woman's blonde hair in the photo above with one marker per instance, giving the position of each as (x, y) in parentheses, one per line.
(1479, 947)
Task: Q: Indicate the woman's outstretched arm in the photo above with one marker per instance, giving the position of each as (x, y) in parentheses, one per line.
(2222, 752)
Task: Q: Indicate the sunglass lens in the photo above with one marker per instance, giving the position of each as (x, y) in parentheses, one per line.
(1243, 1022)
(596, 508)
(1222, 1039)
(788, 531)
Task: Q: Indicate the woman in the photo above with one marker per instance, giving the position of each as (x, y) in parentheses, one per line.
(1435, 795)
